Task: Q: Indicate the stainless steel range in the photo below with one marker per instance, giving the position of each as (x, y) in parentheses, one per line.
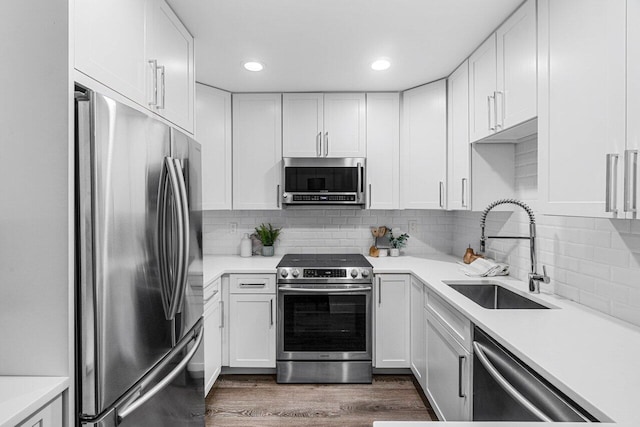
(324, 319)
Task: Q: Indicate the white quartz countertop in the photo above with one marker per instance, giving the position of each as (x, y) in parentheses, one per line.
(20, 397)
(591, 357)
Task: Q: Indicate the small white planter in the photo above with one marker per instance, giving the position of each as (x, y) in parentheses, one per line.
(394, 252)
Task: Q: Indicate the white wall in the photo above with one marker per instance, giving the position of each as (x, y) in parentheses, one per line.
(595, 262)
(328, 230)
(35, 278)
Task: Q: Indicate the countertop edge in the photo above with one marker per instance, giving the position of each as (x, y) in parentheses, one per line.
(20, 411)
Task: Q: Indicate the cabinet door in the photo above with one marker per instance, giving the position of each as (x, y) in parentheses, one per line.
(171, 45)
(633, 104)
(392, 321)
(516, 67)
(213, 132)
(458, 147)
(257, 151)
(482, 86)
(212, 342)
(302, 124)
(582, 105)
(423, 148)
(344, 125)
(383, 150)
(114, 58)
(448, 369)
(418, 333)
(252, 333)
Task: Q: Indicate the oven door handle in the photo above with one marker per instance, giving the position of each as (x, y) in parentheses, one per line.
(324, 290)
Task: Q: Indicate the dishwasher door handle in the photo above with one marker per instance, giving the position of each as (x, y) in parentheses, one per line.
(506, 385)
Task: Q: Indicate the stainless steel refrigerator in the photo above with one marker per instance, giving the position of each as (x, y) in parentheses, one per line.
(139, 269)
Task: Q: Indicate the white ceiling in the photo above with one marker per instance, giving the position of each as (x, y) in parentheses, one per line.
(328, 45)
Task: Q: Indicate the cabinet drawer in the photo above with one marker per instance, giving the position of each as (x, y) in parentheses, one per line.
(252, 284)
(48, 416)
(212, 290)
(450, 318)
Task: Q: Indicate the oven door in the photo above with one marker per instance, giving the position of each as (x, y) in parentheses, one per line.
(324, 322)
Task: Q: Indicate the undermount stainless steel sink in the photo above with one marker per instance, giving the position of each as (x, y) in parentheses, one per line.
(493, 296)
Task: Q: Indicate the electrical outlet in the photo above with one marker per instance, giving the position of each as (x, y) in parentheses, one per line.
(413, 226)
(233, 227)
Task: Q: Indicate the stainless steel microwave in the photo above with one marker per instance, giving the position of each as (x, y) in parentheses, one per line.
(324, 181)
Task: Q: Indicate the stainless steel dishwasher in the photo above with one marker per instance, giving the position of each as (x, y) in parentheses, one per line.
(505, 389)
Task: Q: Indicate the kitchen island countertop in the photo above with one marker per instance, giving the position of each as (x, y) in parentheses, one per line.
(22, 396)
(591, 357)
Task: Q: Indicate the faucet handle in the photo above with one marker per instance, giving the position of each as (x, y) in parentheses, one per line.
(545, 278)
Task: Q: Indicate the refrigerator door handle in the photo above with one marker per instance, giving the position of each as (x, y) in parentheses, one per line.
(165, 275)
(142, 399)
(182, 273)
(180, 235)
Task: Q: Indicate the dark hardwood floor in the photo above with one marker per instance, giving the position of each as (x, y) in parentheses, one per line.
(257, 400)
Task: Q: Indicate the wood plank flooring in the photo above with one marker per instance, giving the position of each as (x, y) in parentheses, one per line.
(257, 400)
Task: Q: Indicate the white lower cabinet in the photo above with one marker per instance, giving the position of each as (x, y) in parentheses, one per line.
(252, 322)
(418, 333)
(448, 335)
(212, 335)
(51, 415)
(392, 321)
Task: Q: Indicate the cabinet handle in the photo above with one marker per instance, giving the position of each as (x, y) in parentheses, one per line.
(154, 72)
(253, 285)
(464, 192)
(379, 291)
(369, 195)
(221, 314)
(319, 144)
(461, 360)
(501, 115)
(326, 144)
(164, 87)
(612, 182)
(631, 181)
(489, 105)
(440, 196)
(271, 311)
(278, 195)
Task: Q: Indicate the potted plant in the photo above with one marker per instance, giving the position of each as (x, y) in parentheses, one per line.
(397, 243)
(268, 236)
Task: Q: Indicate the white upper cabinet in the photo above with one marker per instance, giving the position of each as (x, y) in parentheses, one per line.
(324, 125)
(517, 67)
(114, 58)
(170, 55)
(482, 90)
(502, 77)
(257, 150)
(213, 132)
(582, 107)
(302, 124)
(423, 147)
(383, 150)
(140, 49)
(631, 176)
(458, 147)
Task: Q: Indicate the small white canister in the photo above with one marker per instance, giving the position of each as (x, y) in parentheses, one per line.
(245, 246)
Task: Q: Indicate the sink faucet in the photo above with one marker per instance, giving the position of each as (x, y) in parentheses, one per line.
(534, 277)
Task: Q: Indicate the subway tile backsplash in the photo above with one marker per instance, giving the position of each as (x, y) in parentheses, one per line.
(595, 262)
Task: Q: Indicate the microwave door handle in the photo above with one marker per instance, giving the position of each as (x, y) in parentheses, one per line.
(360, 179)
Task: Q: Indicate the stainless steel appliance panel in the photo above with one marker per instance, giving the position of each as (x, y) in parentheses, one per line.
(344, 372)
(124, 330)
(188, 152)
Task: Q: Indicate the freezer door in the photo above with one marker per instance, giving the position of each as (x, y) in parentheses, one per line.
(187, 152)
(170, 396)
(122, 326)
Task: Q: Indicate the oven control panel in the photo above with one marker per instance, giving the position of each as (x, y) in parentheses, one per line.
(341, 274)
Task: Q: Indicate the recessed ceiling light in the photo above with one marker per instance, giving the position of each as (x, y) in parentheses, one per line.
(380, 64)
(253, 66)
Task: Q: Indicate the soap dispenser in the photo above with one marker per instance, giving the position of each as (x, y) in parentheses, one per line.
(245, 246)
